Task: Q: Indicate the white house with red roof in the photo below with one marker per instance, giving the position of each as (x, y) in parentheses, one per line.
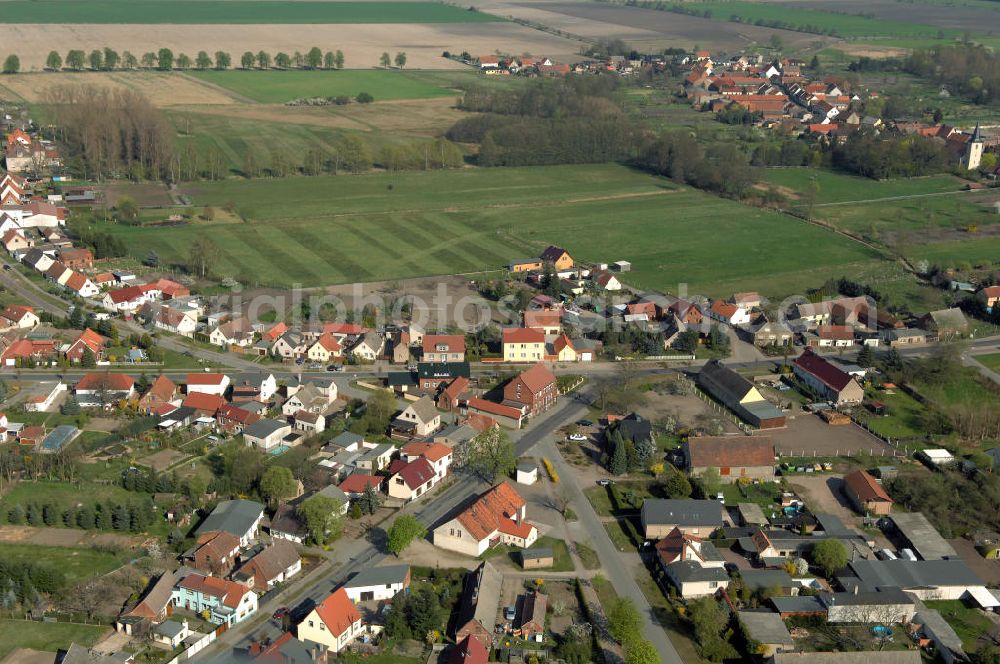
(18, 316)
(129, 299)
(335, 622)
(413, 480)
(81, 284)
(438, 455)
(498, 516)
(728, 313)
(207, 383)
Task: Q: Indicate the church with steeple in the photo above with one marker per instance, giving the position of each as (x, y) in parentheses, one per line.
(973, 154)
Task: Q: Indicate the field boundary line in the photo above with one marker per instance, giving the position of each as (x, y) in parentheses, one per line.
(893, 198)
(232, 94)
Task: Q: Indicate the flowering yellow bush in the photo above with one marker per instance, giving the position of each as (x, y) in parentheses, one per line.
(550, 469)
(657, 468)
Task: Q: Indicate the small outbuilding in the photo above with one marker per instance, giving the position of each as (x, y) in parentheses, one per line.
(537, 558)
(527, 473)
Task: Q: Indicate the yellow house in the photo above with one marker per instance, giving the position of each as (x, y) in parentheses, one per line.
(325, 348)
(523, 345)
(334, 623)
(564, 350)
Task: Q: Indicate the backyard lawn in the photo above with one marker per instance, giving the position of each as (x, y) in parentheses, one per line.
(342, 229)
(968, 623)
(47, 637)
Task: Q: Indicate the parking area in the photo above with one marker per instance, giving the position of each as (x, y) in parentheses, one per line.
(808, 435)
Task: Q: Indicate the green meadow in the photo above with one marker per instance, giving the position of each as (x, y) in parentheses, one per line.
(843, 25)
(193, 12)
(341, 229)
(277, 87)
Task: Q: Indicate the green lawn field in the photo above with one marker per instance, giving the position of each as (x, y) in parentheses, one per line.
(77, 563)
(341, 229)
(48, 637)
(64, 494)
(843, 25)
(834, 187)
(990, 361)
(276, 87)
(192, 12)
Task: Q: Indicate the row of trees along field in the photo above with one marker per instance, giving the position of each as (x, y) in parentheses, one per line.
(108, 59)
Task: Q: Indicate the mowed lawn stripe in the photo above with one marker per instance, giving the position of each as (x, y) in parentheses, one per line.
(478, 240)
(273, 252)
(339, 259)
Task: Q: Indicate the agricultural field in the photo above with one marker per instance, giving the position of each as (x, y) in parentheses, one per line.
(974, 15)
(328, 230)
(277, 87)
(192, 12)
(47, 637)
(645, 28)
(361, 43)
(842, 24)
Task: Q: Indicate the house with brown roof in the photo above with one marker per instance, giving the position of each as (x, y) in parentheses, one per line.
(77, 258)
(88, 339)
(989, 296)
(438, 455)
(161, 392)
(443, 348)
(830, 382)
(104, 389)
(413, 480)
(238, 332)
(497, 516)
(452, 396)
(535, 390)
(275, 564)
(325, 348)
(335, 622)
(19, 316)
(234, 419)
(207, 405)
(215, 553)
(549, 322)
(735, 457)
(728, 313)
(558, 257)
(503, 414)
(866, 494)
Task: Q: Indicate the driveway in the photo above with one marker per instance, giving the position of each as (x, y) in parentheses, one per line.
(617, 566)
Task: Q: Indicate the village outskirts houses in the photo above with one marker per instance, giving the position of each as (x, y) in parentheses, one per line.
(443, 348)
(827, 380)
(523, 345)
(233, 332)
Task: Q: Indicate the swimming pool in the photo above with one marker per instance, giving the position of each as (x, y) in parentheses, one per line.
(279, 450)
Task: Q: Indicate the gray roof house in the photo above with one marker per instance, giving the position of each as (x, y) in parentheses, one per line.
(236, 517)
(922, 536)
(927, 579)
(768, 629)
(693, 517)
(739, 395)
